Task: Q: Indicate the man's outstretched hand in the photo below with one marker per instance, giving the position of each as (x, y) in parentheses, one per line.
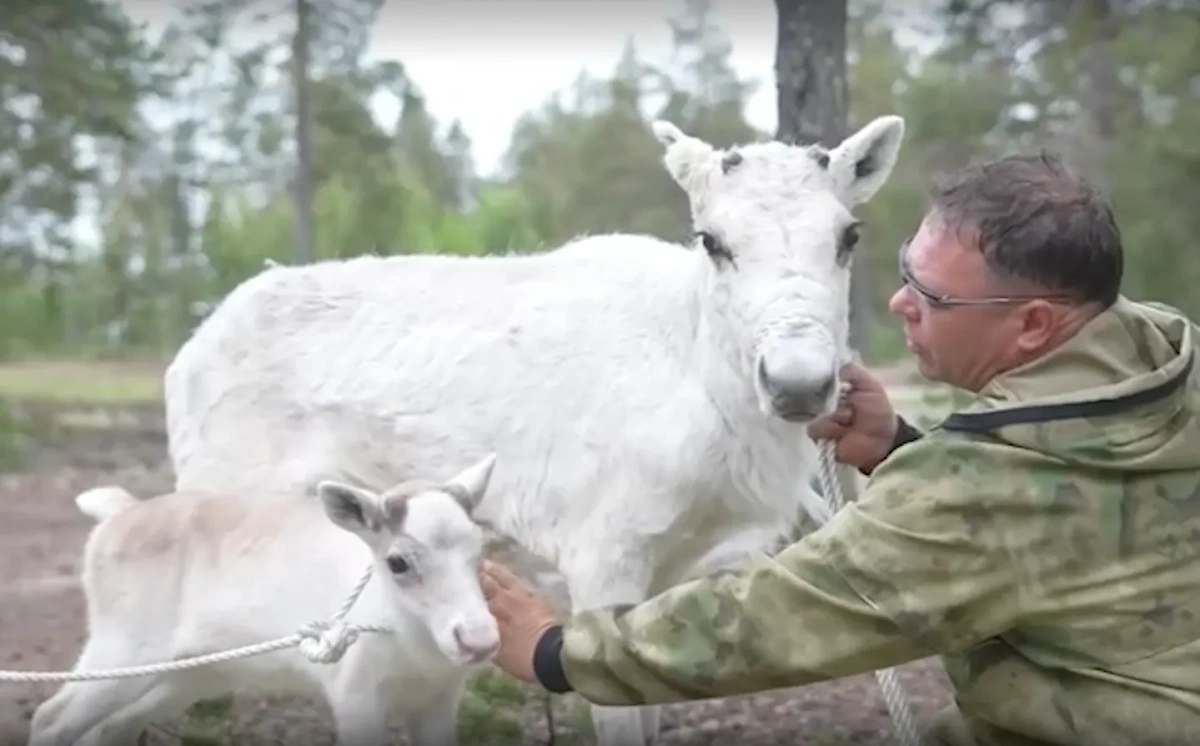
(864, 425)
(522, 615)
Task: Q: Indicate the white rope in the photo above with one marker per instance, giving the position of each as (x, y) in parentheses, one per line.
(319, 641)
(893, 692)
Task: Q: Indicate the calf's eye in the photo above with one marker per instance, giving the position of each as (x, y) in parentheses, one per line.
(397, 564)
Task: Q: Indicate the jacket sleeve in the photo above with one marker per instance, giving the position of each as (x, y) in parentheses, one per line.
(916, 567)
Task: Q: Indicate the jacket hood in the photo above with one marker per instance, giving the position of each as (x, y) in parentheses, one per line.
(1121, 394)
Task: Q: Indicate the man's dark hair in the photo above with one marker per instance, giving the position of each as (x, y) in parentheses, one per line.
(1035, 220)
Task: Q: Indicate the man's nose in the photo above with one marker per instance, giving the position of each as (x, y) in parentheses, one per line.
(902, 304)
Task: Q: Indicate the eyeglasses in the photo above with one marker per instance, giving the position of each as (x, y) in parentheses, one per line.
(945, 300)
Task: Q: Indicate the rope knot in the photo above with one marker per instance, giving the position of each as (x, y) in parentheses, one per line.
(326, 642)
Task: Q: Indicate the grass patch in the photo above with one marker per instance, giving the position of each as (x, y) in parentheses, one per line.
(15, 440)
(85, 381)
(577, 728)
(498, 690)
(491, 710)
(495, 710)
(205, 723)
(495, 706)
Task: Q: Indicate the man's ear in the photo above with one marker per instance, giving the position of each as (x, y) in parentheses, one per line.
(1038, 319)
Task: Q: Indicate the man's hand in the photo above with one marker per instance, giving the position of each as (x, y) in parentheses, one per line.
(864, 424)
(522, 615)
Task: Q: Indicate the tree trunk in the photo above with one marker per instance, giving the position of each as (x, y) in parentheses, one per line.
(302, 185)
(1100, 86)
(813, 105)
(810, 71)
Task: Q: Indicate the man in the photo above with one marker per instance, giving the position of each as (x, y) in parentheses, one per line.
(1045, 540)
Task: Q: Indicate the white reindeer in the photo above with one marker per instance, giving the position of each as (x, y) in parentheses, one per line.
(200, 573)
(648, 401)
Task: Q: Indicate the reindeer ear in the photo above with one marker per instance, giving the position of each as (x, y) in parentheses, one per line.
(862, 163)
(469, 485)
(667, 133)
(351, 508)
(686, 157)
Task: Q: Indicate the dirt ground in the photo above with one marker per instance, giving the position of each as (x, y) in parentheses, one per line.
(42, 621)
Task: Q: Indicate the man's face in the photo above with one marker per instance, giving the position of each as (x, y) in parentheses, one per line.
(954, 342)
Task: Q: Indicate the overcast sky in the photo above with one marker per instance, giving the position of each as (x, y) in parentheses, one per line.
(486, 62)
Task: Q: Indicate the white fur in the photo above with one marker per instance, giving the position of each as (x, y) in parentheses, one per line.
(199, 573)
(101, 503)
(615, 376)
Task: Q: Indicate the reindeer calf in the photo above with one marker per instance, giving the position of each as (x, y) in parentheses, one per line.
(187, 574)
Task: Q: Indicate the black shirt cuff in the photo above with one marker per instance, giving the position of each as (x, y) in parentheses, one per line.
(547, 663)
(905, 433)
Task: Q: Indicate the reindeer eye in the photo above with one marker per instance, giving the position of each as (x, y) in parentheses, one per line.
(717, 250)
(397, 564)
(850, 237)
(848, 241)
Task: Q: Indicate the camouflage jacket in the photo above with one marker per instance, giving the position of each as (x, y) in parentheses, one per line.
(1045, 541)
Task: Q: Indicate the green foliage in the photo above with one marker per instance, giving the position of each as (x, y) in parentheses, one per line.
(70, 68)
(191, 207)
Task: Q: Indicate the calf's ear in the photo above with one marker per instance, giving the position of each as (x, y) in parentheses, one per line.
(469, 485)
(352, 508)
